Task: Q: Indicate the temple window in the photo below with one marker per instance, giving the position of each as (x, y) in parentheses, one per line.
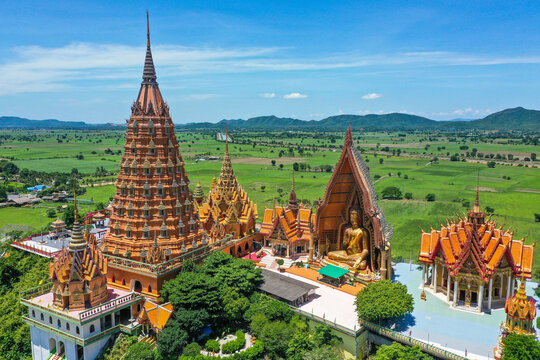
(67, 326)
(163, 233)
(149, 289)
(123, 191)
(191, 227)
(50, 320)
(181, 231)
(92, 328)
(130, 213)
(135, 130)
(134, 151)
(169, 170)
(174, 191)
(146, 192)
(158, 171)
(146, 234)
(167, 130)
(171, 150)
(33, 313)
(132, 192)
(128, 233)
(160, 192)
(124, 282)
(187, 209)
(150, 130)
(113, 279)
(182, 188)
(77, 330)
(59, 323)
(161, 212)
(126, 170)
(119, 212)
(117, 232)
(134, 171)
(147, 213)
(497, 291)
(146, 171)
(42, 317)
(152, 151)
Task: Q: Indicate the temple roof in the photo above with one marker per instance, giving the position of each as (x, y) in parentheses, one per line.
(295, 227)
(227, 202)
(155, 314)
(479, 240)
(520, 306)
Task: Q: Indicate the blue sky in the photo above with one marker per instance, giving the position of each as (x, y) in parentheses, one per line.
(83, 61)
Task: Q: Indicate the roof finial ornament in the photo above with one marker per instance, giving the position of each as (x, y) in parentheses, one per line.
(348, 137)
(147, 29)
(226, 138)
(476, 208)
(149, 71)
(292, 187)
(75, 201)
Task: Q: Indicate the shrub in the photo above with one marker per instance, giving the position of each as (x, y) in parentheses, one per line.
(391, 192)
(212, 345)
(192, 349)
(234, 345)
(491, 164)
(408, 196)
(430, 197)
(51, 213)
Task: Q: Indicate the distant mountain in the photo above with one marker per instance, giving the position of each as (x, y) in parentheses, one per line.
(516, 118)
(14, 122)
(509, 119)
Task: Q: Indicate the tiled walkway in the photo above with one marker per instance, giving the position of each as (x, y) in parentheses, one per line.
(433, 320)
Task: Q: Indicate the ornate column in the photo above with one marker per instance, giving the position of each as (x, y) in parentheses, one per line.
(448, 288)
(502, 285)
(490, 292)
(455, 291)
(512, 288)
(424, 274)
(480, 297)
(311, 249)
(434, 284)
(508, 286)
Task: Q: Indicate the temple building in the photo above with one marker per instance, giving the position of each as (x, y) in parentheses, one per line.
(350, 226)
(288, 230)
(228, 211)
(74, 317)
(153, 222)
(473, 263)
(520, 314)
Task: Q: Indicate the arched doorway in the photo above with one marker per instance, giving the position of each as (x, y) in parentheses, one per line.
(52, 346)
(137, 286)
(61, 348)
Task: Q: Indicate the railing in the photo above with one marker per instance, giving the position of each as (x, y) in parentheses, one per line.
(108, 306)
(82, 316)
(33, 249)
(322, 320)
(195, 254)
(408, 340)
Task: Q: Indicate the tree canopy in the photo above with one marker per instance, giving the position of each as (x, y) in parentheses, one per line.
(524, 347)
(396, 351)
(383, 300)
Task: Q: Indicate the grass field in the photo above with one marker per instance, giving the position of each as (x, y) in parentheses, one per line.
(512, 191)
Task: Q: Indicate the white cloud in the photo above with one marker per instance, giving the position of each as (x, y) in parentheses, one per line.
(268, 95)
(371, 96)
(471, 111)
(295, 96)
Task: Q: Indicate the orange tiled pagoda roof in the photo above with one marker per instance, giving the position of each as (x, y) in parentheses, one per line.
(79, 272)
(482, 240)
(227, 202)
(155, 314)
(152, 198)
(520, 306)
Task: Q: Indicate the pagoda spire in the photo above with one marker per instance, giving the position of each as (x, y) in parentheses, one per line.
(348, 137)
(293, 201)
(476, 207)
(149, 72)
(77, 241)
(226, 139)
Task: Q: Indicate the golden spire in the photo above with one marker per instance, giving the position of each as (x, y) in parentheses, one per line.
(476, 208)
(77, 241)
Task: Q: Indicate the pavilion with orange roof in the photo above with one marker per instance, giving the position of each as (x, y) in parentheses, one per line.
(473, 262)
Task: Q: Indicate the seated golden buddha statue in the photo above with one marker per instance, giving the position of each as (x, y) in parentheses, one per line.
(356, 243)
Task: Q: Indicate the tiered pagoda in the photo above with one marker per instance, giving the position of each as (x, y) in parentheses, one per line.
(153, 219)
(350, 226)
(473, 261)
(520, 314)
(288, 230)
(228, 210)
(79, 273)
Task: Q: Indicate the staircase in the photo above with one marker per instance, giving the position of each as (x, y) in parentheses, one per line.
(148, 339)
(270, 263)
(57, 357)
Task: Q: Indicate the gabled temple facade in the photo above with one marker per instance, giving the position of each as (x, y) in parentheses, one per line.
(154, 220)
(351, 190)
(288, 231)
(472, 262)
(228, 210)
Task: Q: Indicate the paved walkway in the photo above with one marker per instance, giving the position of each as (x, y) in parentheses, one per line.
(435, 322)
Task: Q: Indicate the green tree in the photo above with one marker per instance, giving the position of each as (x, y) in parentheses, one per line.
(192, 321)
(140, 351)
(280, 166)
(430, 197)
(383, 300)
(381, 161)
(51, 213)
(276, 336)
(273, 310)
(274, 162)
(491, 164)
(298, 346)
(408, 195)
(296, 166)
(234, 305)
(533, 156)
(192, 349)
(324, 353)
(396, 351)
(10, 169)
(171, 340)
(69, 215)
(3, 194)
(489, 210)
(322, 335)
(523, 347)
(391, 192)
(263, 187)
